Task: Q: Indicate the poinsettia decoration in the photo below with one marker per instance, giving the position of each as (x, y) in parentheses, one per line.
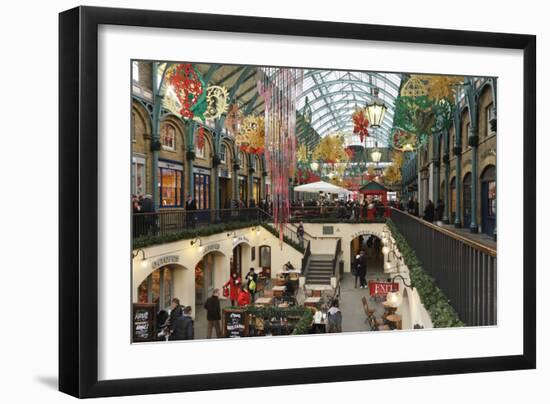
(360, 124)
(190, 89)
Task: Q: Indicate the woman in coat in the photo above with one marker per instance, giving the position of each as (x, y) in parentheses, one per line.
(233, 285)
(244, 297)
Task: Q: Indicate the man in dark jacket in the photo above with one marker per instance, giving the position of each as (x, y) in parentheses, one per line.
(213, 314)
(429, 212)
(183, 327)
(175, 313)
(362, 269)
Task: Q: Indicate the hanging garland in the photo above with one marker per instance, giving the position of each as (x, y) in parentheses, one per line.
(360, 124)
(190, 91)
(200, 138)
(280, 87)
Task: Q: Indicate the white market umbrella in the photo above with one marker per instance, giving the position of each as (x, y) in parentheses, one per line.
(321, 186)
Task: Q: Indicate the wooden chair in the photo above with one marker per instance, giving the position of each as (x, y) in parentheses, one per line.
(376, 324)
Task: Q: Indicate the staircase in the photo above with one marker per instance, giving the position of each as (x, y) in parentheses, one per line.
(320, 269)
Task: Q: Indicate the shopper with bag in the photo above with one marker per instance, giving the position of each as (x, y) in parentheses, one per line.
(251, 283)
(231, 288)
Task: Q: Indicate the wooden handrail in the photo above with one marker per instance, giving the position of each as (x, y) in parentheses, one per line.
(474, 244)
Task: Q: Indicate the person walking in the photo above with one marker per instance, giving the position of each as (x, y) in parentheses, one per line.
(429, 212)
(300, 233)
(334, 317)
(213, 314)
(362, 269)
(231, 288)
(190, 208)
(355, 269)
(251, 283)
(244, 297)
(183, 328)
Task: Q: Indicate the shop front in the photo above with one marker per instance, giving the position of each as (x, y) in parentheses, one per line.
(170, 180)
(225, 187)
(201, 179)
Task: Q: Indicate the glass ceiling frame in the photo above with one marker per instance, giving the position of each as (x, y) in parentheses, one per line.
(333, 97)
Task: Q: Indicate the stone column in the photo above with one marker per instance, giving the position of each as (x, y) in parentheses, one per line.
(473, 139)
(457, 150)
(215, 171)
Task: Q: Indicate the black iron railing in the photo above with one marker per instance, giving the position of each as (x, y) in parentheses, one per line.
(343, 214)
(466, 271)
(306, 258)
(171, 221)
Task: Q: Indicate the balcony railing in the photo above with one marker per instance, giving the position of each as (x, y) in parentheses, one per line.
(358, 214)
(466, 271)
(172, 221)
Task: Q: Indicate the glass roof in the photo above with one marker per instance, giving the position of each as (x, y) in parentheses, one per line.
(334, 95)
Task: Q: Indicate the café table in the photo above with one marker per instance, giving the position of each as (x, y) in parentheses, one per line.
(395, 319)
(278, 290)
(263, 301)
(318, 289)
(312, 301)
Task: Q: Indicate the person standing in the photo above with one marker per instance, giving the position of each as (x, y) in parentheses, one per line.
(334, 317)
(183, 328)
(244, 297)
(191, 207)
(439, 209)
(429, 212)
(300, 233)
(175, 312)
(251, 283)
(213, 314)
(362, 269)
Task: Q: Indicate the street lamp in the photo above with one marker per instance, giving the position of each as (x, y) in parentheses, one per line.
(376, 154)
(375, 110)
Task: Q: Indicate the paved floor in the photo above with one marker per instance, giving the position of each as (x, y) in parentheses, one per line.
(481, 238)
(353, 315)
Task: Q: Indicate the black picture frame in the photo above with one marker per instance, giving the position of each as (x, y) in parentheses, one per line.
(78, 211)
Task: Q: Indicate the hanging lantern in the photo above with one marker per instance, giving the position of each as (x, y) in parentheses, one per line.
(376, 155)
(375, 110)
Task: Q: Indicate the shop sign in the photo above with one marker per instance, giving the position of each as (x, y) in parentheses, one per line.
(382, 288)
(200, 170)
(211, 247)
(240, 239)
(167, 259)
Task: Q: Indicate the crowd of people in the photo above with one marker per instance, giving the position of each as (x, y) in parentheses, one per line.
(432, 212)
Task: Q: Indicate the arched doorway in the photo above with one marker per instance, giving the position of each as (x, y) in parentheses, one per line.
(488, 200)
(265, 260)
(161, 286)
(209, 275)
(467, 199)
(240, 260)
(372, 246)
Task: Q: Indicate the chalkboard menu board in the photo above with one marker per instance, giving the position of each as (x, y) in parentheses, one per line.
(143, 322)
(235, 323)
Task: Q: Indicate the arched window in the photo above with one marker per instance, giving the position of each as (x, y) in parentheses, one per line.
(168, 137)
(223, 153)
(265, 260)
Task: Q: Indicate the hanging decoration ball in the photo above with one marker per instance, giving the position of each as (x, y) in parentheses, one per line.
(414, 87)
(189, 88)
(360, 123)
(217, 99)
(251, 137)
(404, 141)
(440, 87)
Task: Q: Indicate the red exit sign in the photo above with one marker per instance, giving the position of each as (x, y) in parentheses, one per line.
(382, 288)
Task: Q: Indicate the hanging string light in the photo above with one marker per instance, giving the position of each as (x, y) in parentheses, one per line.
(280, 88)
